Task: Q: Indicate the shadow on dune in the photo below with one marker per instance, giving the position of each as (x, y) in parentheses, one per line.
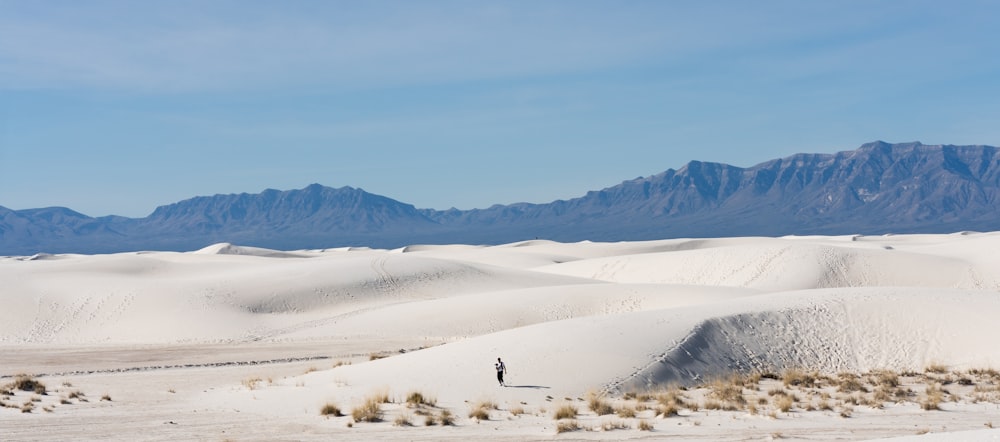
(527, 386)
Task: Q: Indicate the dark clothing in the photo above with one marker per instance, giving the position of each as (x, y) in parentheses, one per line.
(501, 368)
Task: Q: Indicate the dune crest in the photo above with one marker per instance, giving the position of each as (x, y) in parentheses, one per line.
(566, 318)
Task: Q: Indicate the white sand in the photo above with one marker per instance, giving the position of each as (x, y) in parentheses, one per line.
(174, 338)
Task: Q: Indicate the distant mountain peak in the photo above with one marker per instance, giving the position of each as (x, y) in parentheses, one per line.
(878, 188)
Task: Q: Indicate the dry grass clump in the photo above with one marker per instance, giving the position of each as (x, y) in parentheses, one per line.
(403, 420)
(446, 418)
(417, 399)
(481, 410)
(106, 397)
(615, 425)
(330, 409)
(666, 411)
(567, 411)
(252, 383)
(567, 426)
(672, 397)
(933, 397)
(800, 378)
(370, 411)
(598, 405)
(849, 383)
(729, 391)
(24, 382)
(885, 378)
(936, 368)
(626, 411)
(644, 425)
(784, 402)
(846, 412)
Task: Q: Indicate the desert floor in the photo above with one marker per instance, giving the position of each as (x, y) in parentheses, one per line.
(793, 338)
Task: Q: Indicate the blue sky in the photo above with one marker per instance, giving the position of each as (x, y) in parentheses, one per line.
(116, 107)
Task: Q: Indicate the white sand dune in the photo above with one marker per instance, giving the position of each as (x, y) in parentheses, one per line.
(567, 319)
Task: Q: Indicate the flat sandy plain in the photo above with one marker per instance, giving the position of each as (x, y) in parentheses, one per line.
(792, 338)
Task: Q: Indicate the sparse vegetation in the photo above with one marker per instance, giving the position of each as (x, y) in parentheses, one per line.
(330, 409)
(598, 405)
(936, 368)
(933, 397)
(567, 426)
(784, 402)
(370, 411)
(615, 425)
(24, 382)
(644, 425)
(481, 410)
(252, 383)
(446, 418)
(626, 411)
(566, 411)
(402, 420)
(417, 398)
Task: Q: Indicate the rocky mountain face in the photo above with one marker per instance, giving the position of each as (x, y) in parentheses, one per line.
(878, 188)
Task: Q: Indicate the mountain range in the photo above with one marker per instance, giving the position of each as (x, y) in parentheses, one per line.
(878, 188)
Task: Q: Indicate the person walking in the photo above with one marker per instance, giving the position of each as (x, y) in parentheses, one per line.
(501, 369)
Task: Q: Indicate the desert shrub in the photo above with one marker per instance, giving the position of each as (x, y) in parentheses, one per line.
(799, 378)
(886, 378)
(849, 382)
(252, 383)
(330, 409)
(481, 410)
(936, 368)
(669, 410)
(644, 425)
(403, 420)
(446, 418)
(673, 396)
(730, 391)
(626, 412)
(932, 398)
(517, 411)
(567, 426)
(25, 382)
(370, 411)
(614, 425)
(784, 402)
(430, 421)
(381, 396)
(565, 412)
(599, 406)
(106, 397)
(417, 398)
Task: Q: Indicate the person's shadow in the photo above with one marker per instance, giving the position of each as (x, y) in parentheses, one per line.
(537, 387)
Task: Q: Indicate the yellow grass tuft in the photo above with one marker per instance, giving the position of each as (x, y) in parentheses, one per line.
(567, 411)
(370, 411)
(330, 409)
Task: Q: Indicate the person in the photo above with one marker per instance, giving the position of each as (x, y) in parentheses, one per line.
(501, 368)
